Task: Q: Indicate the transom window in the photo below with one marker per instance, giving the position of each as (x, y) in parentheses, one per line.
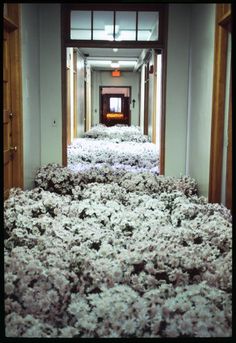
(114, 25)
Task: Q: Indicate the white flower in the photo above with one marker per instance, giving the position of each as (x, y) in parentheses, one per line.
(129, 326)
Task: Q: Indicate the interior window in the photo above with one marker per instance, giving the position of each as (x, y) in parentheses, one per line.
(80, 25)
(128, 25)
(125, 25)
(103, 25)
(148, 26)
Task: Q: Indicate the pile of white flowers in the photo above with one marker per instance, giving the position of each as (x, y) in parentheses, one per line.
(108, 253)
(117, 133)
(120, 146)
(130, 156)
(61, 180)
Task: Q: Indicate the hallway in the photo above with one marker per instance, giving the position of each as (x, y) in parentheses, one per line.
(117, 173)
(106, 252)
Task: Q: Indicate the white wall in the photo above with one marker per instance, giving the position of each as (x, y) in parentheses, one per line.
(50, 83)
(177, 88)
(104, 78)
(30, 91)
(200, 93)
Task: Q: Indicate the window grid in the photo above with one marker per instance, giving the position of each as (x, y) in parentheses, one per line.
(114, 26)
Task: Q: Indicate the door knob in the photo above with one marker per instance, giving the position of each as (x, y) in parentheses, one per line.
(13, 148)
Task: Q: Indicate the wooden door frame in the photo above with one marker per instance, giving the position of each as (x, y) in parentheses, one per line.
(222, 27)
(229, 185)
(12, 23)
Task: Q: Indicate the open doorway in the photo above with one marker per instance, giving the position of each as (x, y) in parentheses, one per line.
(147, 33)
(115, 105)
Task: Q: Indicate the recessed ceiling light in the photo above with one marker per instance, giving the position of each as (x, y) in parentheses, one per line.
(115, 65)
(115, 49)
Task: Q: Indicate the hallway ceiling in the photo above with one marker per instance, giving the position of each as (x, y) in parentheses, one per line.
(100, 58)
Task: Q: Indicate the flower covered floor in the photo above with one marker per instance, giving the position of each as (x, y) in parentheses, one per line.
(122, 147)
(110, 253)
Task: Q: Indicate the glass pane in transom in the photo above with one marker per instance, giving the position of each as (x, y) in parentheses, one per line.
(103, 25)
(148, 24)
(125, 25)
(80, 25)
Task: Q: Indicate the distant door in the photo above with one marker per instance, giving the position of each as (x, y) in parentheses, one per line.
(12, 120)
(115, 109)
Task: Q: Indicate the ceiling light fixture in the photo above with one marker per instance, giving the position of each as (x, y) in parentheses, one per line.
(127, 63)
(115, 65)
(115, 49)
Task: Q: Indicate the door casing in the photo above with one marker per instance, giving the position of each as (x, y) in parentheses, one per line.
(13, 140)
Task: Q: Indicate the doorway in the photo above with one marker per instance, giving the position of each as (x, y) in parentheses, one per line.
(139, 27)
(115, 105)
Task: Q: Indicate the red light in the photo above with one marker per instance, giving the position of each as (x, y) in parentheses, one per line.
(116, 73)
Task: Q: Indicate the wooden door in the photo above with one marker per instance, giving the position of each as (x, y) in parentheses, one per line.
(12, 100)
(7, 116)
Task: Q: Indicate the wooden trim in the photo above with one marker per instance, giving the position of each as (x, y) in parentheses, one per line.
(13, 13)
(9, 24)
(115, 6)
(225, 19)
(63, 88)
(73, 43)
(229, 184)
(218, 110)
(16, 100)
(6, 156)
(5, 116)
(5, 74)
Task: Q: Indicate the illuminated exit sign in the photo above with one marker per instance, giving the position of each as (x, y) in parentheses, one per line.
(115, 73)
